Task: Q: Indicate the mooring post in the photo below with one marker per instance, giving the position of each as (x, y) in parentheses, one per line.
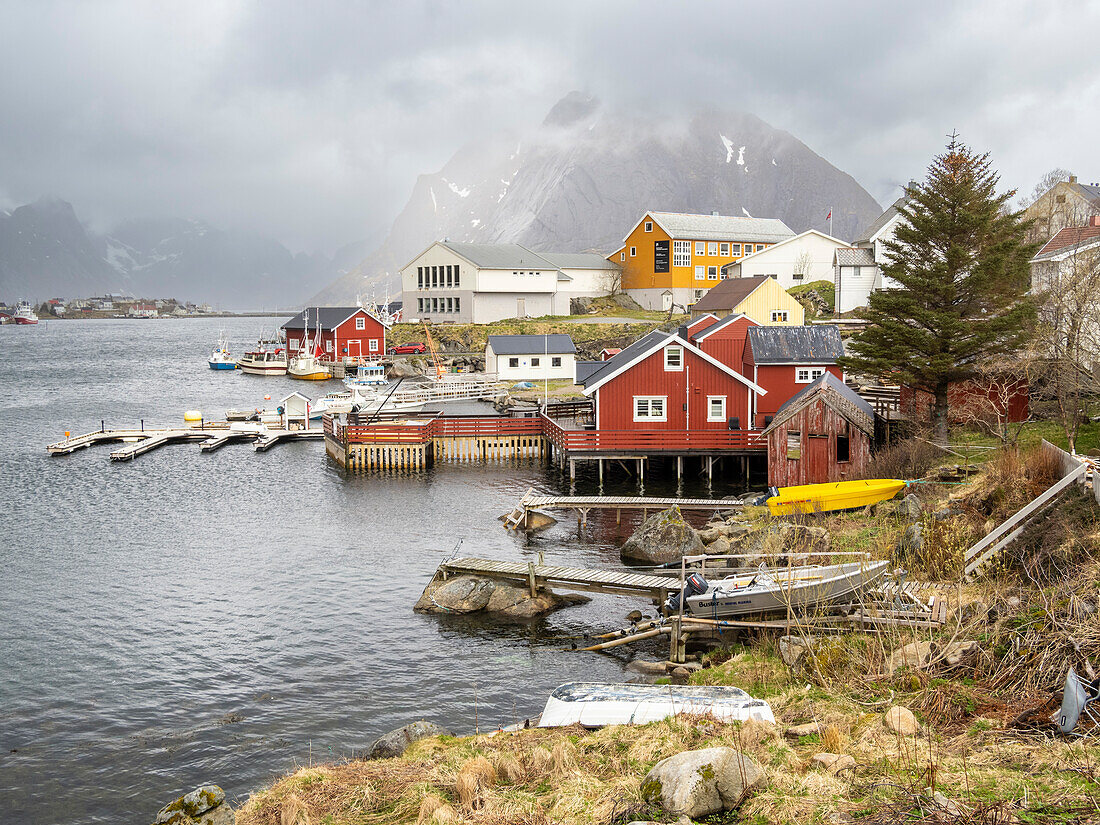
(102, 425)
(679, 467)
(600, 461)
(531, 577)
(572, 469)
(143, 425)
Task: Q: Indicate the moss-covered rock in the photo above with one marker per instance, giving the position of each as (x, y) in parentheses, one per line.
(191, 807)
(702, 782)
(662, 538)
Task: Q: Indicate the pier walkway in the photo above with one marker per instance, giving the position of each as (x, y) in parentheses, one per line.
(582, 504)
(213, 436)
(536, 576)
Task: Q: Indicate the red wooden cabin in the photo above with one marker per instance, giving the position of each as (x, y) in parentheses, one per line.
(346, 332)
(785, 360)
(822, 434)
(663, 382)
(977, 399)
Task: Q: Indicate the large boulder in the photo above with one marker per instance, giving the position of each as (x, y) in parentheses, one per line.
(515, 602)
(911, 508)
(461, 594)
(395, 742)
(700, 783)
(662, 538)
(401, 368)
(202, 806)
(776, 543)
(471, 594)
(901, 720)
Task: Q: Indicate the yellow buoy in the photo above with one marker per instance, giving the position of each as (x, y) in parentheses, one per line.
(192, 415)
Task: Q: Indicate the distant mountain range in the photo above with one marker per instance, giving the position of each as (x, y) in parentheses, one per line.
(45, 251)
(585, 177)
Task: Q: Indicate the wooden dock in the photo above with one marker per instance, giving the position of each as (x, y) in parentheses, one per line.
(517, 519)
(536, 576)
(212, 436)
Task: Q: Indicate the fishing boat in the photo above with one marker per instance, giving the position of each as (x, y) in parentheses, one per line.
(263, 362)
(221, 358)
(594, 704)
(839, 495)
(306, 363)
(366, 376)
(773, 590)
(24, 314)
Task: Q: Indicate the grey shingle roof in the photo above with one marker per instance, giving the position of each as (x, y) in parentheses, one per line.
(837, 395)
(851, 256)
(329, 317)
(796, 345)
(555, 344)
(627, 355)
(578, 260)
(499, 255)
(881, 221)
(722, 227)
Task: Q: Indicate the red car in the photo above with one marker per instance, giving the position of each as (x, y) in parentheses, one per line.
(405, 349)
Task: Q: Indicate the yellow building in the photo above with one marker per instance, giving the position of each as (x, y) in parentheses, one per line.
(673, 257)
(760, 297)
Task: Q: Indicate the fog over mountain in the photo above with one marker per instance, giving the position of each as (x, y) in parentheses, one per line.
(584, 177)
(45, 251)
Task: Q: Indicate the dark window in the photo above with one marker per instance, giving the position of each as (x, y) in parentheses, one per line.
(457, 307)
(513, 362)
(420, 277)
(456, 277)
(449, 274)
(843, 445)
(555, 361)
(435, 276)
(534, 362)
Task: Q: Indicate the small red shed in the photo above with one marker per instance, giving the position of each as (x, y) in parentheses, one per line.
(346, 332)
(822, 434)
(663, 382)
(786, 360)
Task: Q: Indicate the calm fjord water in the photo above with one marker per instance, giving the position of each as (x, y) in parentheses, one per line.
(223, 618)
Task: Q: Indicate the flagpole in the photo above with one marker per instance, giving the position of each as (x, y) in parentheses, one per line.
(830, 221)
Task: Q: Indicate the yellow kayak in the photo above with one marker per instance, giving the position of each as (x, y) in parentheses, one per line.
(839, 495)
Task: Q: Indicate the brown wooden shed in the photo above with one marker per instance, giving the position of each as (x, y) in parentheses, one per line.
(822, 434)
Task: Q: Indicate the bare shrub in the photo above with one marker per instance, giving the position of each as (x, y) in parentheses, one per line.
(912, 458)
(474, 778)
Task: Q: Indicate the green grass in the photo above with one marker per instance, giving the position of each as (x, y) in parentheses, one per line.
(1088, 438)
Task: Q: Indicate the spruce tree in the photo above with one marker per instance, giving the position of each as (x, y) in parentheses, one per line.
(960, 261)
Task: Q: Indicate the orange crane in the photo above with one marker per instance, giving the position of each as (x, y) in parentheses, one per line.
(434, 352)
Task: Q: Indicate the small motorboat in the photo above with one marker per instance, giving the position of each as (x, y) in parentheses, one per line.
(221, 358)
(263, 362)
(366, 376)
(774, 590)
(838, 495)
(594, 704)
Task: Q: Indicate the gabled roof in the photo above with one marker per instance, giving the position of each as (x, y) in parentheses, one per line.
(834, 393)
(578, 260)
(702, 322)
(719, 325)
(798, 237)
(728, 294)
(498, 255)
(1088, 191)
(327, 317)
(645, 347)
(795, 345)
(881, 222)
(1067, 241)
(555, 344)
(853, 256)
(685, 226)
(584, 369)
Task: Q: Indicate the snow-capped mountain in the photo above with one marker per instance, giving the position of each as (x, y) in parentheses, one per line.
(585, 177)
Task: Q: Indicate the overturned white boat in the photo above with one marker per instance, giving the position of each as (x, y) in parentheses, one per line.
(774, 590)
(594, 704)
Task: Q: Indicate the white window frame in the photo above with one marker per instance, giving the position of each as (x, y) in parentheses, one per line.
(735, 250)
(681, 253)
(721, 416)
(700, 248)
(328, 346)
(780, 316)
(513, 363)
(360, 323)
(700, 273)
(712, 248)
(644, 404)
(712, 273)
(678, 367)
(649, 226)
(372, 345)
(725, 250)
(555, 361)
(633, 252)
(807, 375)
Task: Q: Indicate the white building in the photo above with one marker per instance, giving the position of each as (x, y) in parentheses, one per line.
(1065, 278)
(799, 260)
(480, 283)
(530, 357)
(858, 268)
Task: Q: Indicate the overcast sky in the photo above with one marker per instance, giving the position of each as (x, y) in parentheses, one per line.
(309, 121)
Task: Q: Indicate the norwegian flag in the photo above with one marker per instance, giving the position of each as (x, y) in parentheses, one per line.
(829, 217)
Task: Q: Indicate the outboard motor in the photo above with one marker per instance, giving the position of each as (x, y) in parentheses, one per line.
(694, 585)
(772, 493)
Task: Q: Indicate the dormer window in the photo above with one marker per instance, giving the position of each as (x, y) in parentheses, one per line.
(674, 359)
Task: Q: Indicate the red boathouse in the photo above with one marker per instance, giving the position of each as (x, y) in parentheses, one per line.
(785, 360)
(346, 332)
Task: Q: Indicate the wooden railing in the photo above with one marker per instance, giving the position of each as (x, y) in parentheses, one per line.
(650, 440)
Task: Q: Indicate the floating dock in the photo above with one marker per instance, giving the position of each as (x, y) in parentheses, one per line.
(517, 519)
(212, 437)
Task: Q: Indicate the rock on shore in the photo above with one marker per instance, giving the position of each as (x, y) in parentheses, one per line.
(471, 594)
(203, 806)
(662, 538)
(395, 742)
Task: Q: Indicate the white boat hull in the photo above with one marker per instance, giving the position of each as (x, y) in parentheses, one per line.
(795, 588)
(593, 704)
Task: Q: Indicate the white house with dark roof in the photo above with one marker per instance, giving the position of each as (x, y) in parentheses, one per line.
(481, 283)
(799, 260)
(857, 269)
(530, 357)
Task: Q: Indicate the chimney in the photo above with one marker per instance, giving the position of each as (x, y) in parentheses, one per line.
(1073, 179)
(714, 213)
(1094, 220)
